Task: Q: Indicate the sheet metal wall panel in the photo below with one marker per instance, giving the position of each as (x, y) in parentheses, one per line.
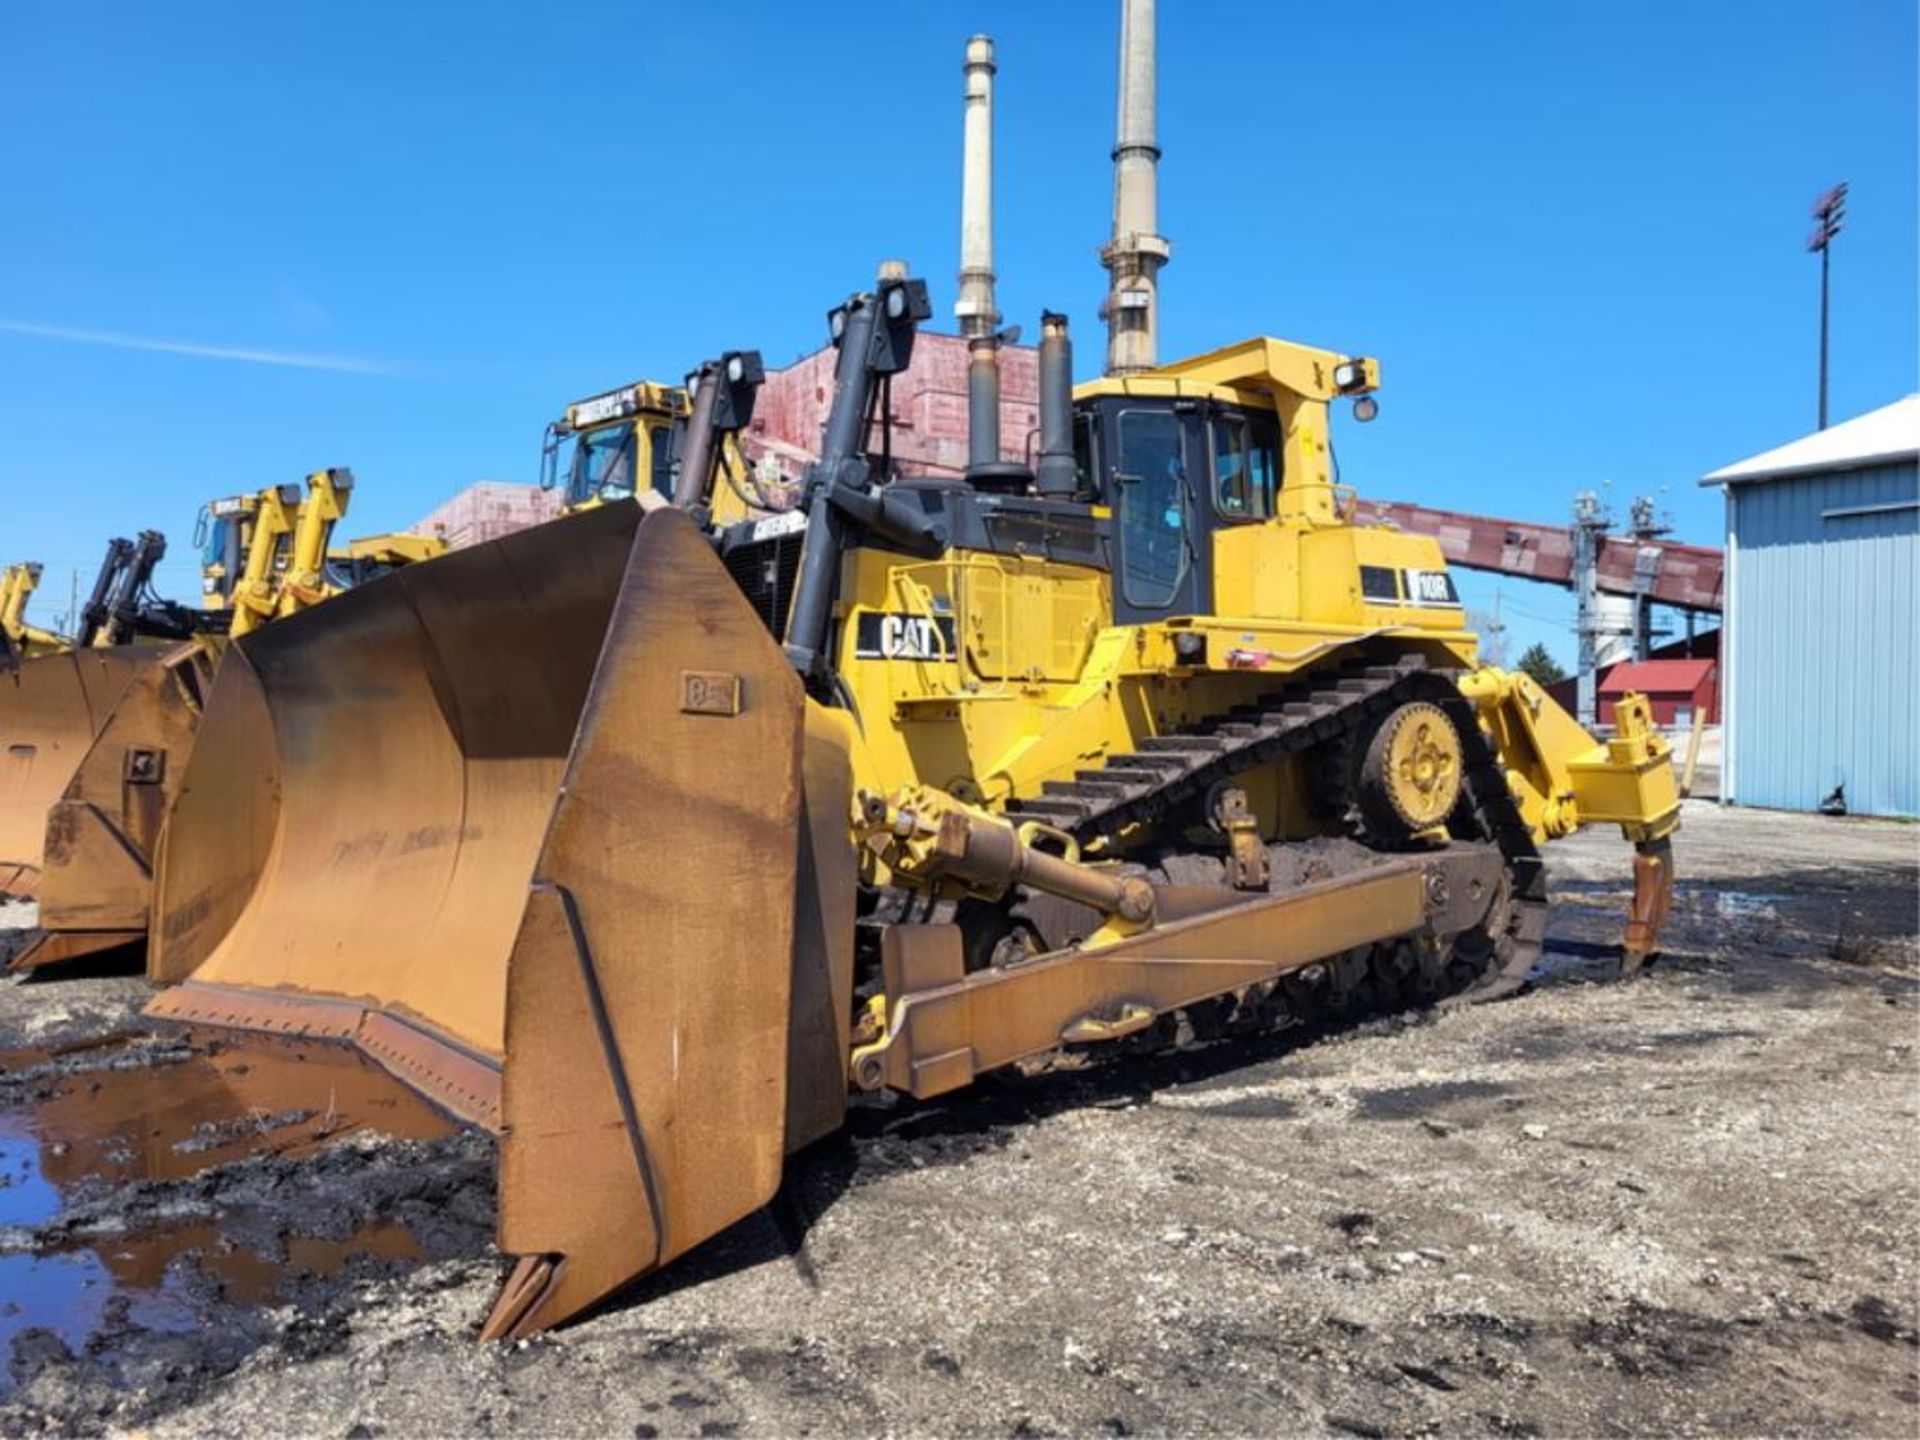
(1823, 646)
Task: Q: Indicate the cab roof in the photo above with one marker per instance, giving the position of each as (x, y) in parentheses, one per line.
(1252, 372)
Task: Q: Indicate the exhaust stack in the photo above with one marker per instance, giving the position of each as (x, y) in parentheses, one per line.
(1058, 476)
(1137, 251)
(977, 312)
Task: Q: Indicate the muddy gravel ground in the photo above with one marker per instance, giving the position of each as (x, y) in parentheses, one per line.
(1684, 1204)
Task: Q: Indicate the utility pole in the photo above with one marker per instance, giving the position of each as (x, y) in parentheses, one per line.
(1829, 210)
(1493, 634)
(1589, 527)
(1645, 528)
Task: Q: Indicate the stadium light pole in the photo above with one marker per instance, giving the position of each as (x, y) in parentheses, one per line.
(1828, 211)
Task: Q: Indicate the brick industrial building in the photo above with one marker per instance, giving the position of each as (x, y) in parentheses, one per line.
(929, 409)
(487, 511)
(929, 412)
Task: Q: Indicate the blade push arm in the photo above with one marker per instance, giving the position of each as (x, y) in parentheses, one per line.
(936, 1024)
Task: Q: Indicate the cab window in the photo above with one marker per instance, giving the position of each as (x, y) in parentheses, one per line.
(660, 442)
(1244, 468)
(1085, 463)
(1151, 476)
(602, 465)
(213, 551)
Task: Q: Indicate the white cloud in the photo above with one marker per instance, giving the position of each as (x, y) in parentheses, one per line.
(348, 364)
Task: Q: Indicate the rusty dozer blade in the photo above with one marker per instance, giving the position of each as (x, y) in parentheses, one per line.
(51, 708)
(96, 881)
(648, 994)
(372, 781)
(438, 816)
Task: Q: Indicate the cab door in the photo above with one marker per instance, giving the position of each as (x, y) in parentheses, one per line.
(1161, 559)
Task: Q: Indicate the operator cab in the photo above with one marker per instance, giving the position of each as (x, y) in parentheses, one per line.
(605, 448)
(603, 463)
(225, 532)
(220, 535)
(1159, 478)
(1173, 471)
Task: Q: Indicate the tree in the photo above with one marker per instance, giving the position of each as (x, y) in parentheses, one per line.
(1537, 663)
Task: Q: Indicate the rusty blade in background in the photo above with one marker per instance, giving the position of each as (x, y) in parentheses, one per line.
(648, 994)
(51, 708)
(96, 881)
(373, 779)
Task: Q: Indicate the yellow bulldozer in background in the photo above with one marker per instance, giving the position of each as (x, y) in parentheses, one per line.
(264, 556)
(20, 640)
(642, 438)
(56, 697)
(646, 841)
(97, 734)
(267, 555)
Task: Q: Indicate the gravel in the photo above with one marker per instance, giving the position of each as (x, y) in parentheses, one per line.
(1681, 1204)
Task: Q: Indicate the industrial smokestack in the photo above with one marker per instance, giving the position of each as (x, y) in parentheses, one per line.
(1137, 251)
(978, 315)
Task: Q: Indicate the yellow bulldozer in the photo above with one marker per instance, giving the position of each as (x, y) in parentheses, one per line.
(49, 707)
(223, 533)
(647, 842)
(271, 554)
(97, 733)
(600, 448)
(19, 639)
(57, 694)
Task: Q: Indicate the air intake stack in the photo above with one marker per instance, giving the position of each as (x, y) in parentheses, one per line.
(1137, 251)
(977, 311)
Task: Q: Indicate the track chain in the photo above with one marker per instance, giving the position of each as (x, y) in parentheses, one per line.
(1169, 772)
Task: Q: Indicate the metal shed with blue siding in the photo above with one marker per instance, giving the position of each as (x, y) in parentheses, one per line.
(1821, 648)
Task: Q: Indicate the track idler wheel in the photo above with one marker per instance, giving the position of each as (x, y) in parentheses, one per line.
(1410, 772)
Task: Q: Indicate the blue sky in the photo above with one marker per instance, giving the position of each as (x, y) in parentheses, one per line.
(1573, 232)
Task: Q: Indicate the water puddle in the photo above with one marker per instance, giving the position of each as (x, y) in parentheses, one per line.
(1741, 905)
(168, 1279)
(1565, 957)
(105, 1115)
(1590, 914)
(128, 1119)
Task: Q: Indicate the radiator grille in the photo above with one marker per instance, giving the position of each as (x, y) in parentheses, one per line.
(766, 572)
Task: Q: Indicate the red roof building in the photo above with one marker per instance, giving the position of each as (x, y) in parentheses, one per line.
(1678, 690)
(1674, 693)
